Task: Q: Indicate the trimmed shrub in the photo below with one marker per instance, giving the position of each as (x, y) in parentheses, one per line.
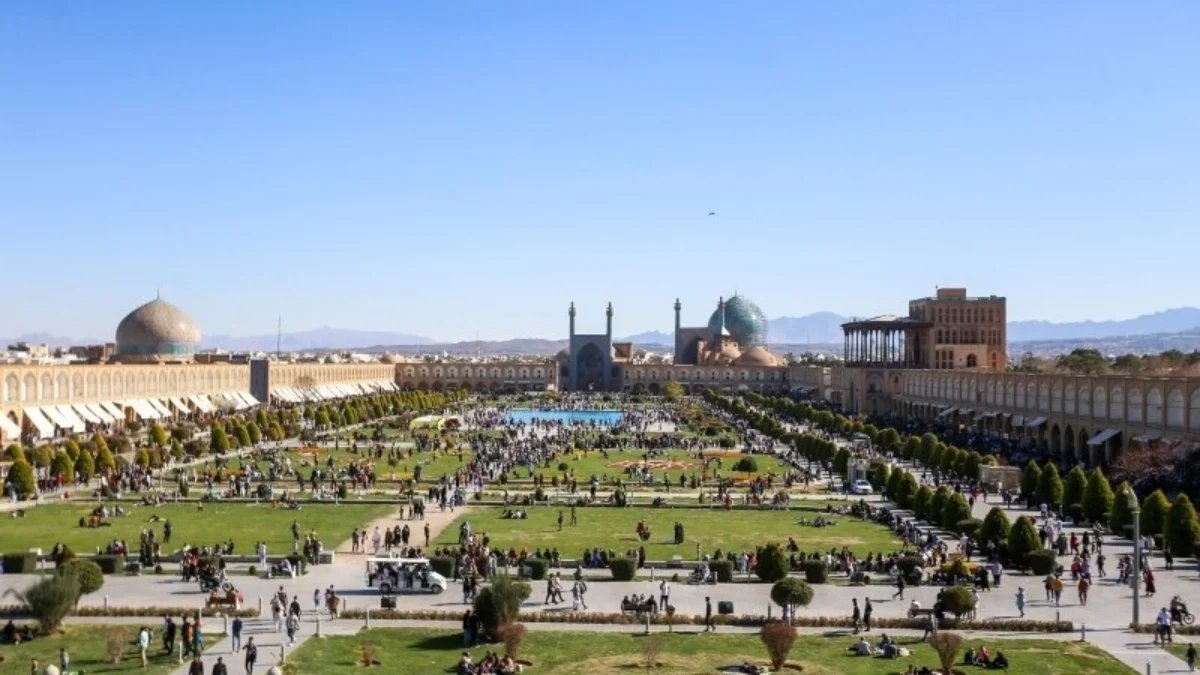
(816, 571)
(110, 564)
(957, 600)
(968, 527)
(1098, 498)
(746, 465)
(778, 637)
(1022, 540)
(623, 569)
(1154, 513)
(20, 563)
(20, 476)
(442, 565)
(499, 604)
(537, 568)
(723, 569)
(86, 572)
(772, 563)
(791, 593)
(50, 600)
(995, 527)
(1041, 561)
(1181, 527)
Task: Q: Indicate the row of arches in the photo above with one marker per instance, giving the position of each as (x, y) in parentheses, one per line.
(701, 375)
(290, 375)
(1133, 401)
(67, 383)
(478, 372)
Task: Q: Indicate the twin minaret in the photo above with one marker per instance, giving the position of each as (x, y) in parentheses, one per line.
(608, 313)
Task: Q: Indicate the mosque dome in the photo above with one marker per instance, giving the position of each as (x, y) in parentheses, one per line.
(157, 331)
(756, 356)
(745, 321)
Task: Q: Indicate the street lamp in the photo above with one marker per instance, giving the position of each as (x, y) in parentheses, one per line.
(1134, 508)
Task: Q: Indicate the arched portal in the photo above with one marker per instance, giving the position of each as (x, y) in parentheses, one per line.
(1081, 447)
(589, 368)
(1055, 441)
(1068, 445)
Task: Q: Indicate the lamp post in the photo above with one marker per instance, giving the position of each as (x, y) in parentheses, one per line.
(1135, 509)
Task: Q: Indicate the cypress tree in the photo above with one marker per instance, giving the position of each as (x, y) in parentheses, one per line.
(1181, 529)
(1030, 479)
(1022, 540)
(1073, 490)
(1098, 498)
(1050, 487)
(1154, 513)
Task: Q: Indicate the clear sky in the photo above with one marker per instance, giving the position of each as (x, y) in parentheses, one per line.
(449, 168)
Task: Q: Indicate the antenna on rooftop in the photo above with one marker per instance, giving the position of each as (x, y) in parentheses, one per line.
(278, 338)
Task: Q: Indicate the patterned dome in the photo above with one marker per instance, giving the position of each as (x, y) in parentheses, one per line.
(157, 331)
(756, 356)
(744, 320)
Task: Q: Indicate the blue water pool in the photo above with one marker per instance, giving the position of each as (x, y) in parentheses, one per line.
(608, 417)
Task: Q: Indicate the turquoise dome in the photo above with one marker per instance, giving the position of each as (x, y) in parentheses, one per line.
(745, 321)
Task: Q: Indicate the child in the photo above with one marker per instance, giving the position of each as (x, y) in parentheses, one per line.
(1191, 657)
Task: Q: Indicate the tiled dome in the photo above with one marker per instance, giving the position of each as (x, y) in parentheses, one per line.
(157, 331)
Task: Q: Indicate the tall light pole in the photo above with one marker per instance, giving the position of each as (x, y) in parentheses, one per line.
(1134, 508)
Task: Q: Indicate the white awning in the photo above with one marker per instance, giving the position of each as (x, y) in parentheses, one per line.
(1018, 420)
(230, 399)
(116, 411)
(1103, 436)
(44, 427)
(9, 428)
(1036, 422)
(179, 405)
(98, 410)
(87, 415)
(142, 408)
(947, 411)
(56, 417)
(1148, 437)
(74, 421)
(248, 398)
(201, 403)
(160, 407)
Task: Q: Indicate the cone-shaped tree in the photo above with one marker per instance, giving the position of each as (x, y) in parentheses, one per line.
(921, 501)
(1074, 487)
(956, 510)
(937, 504)
(1030, 479)
(1022, 540)
(62, 465)
(1097, 497)
(104, 459)
(906, 490)
(1181, 527)
(995, 527)
(1154, 513)
(911, 446)
(20, 477)
(1121, 515)
(1050, 487)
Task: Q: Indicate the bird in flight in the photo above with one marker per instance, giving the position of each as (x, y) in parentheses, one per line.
(712, 213)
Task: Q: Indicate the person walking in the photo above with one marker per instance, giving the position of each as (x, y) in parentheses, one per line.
(64, 661)
(574, 518)
(317, 600)
(143, 643)
(560, 520)
(293, 625)
(867, 609)
(169, 629)
(236, 634)
(251, 655)
(277, 614)
(196, 667)
(1191, 657)
(577, 591)
(376, 540)
(664, 594)
(1083, 590)
(550, 591)
(856, 617)
(1021, 601)
(426, 535)
(219, 667)
(708, 616)
(900, 584)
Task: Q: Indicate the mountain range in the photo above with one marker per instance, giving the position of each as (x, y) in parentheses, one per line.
(796, 332)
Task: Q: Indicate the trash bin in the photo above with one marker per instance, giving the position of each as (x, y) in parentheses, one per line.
(725, 607)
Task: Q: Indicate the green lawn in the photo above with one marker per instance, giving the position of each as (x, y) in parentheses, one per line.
(1179, 648)
(413, 650)
(433, 466)
(44, 526)
(613, 528)
(674, 463)
(87, 647)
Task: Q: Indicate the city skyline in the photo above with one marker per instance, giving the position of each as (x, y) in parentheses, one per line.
(456, 170)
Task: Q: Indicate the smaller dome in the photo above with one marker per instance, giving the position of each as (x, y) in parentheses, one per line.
(157, 331)
(562, 355)
(757, 356)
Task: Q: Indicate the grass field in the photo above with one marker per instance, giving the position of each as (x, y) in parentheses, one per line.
(412, 650)
(44, 526)
(674, 463)
(433, 466)
(613, 528)
(87, 647)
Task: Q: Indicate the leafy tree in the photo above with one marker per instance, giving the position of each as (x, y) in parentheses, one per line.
(1084, 361)
(841, 461)
(1098, 498)
(889, 439)
(956, 510)
(254, 432)
(243, 435)
(49, 600)
(85, 466)
(893, 482)
(1154, 513)
(921, 501)
(72, 449)
(911, 447)
(1050, 486)
(772, 564)
(791, 593)
(949, 457)
(672, 390)
(1121, 514)
(1181, 530)
(323, 420)
(1129, 363)
(935, 457)
(20, 477)
(880, 475)
(1073, 490)
(778, 637)
(929, 443)
(971, 462)
(86, 572)
(42, 456)
(142, 458)
(1022, 540)
(158, 435)
(499, 604)
(1030, 479)
(995, 527)
(15, 453)
(219, 441)
(62, 465)
(906, 490)
(104, 459)
(937, 503)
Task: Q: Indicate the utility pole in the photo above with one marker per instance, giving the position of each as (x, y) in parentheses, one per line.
(278, 337)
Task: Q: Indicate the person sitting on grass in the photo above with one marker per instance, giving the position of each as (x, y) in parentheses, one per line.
(1000, 662)
(862, 648)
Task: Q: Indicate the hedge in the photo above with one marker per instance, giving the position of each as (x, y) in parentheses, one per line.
(968, 527)
(723, 569)
(442, 565)
(20, 563)
(816, 571)
(537, 568)
(110, 564)
(1041, 561)
(623, 569)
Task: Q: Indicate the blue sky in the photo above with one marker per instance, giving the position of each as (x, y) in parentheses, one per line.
(459, 167)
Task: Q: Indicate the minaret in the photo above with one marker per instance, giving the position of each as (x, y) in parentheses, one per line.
(608, 312)
(721, 327)
(678, 307)
(571, 313)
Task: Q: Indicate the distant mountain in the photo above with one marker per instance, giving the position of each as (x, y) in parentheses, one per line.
(653, 337)
(1168, 321)
(318, 338)
(810, 328)
(517, 347)
(48, 339)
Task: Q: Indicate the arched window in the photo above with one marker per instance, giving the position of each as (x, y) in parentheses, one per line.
(1116, 404)
(1154, 407)
(1175, 409)
(1099, 402)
